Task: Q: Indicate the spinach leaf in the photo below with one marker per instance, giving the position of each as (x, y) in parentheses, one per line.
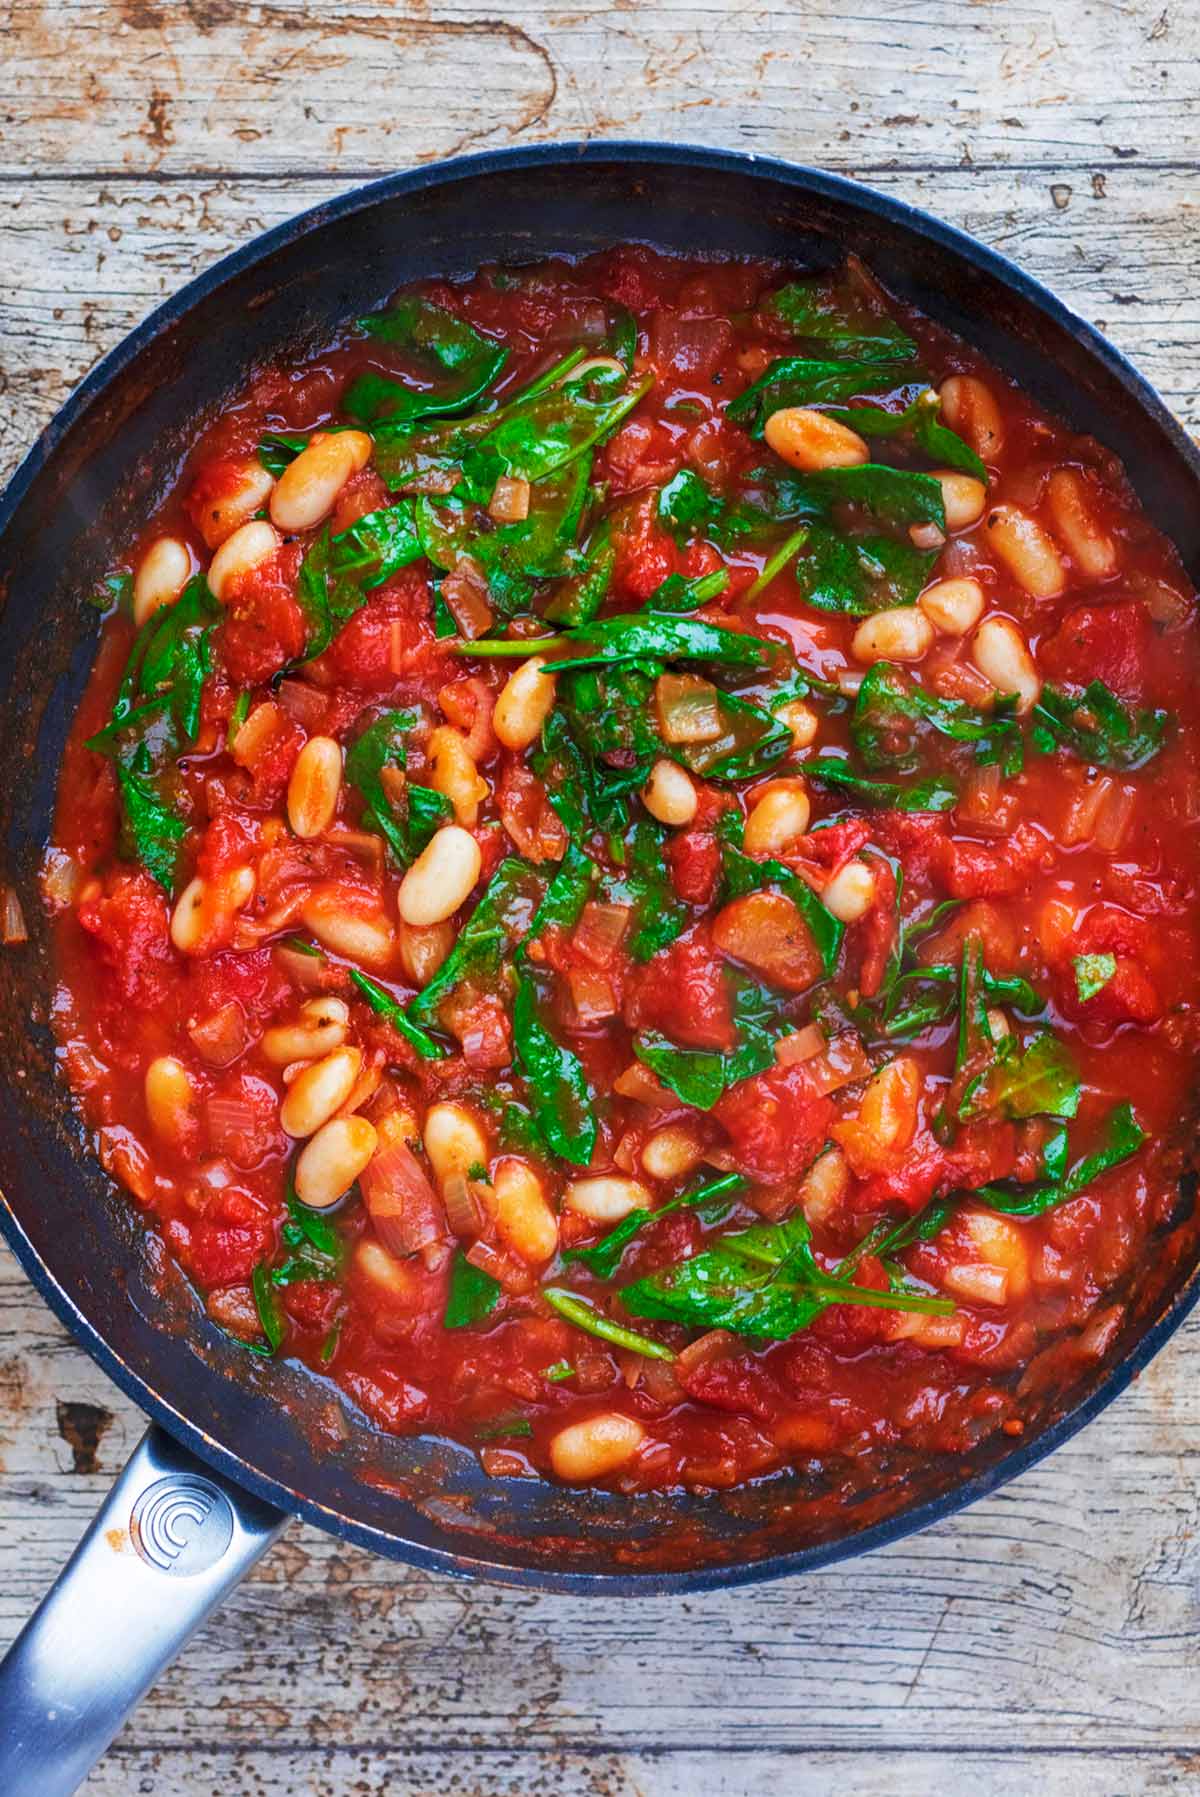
(797, 381)
(686, 506)
(390, 1008)
(828, 309)
(533, 546)
(1092, 974)
(895, 496)
(408, 825)
(567, 893)
(676, 594)
(311, 1231)
(701, 1076)
(499, 922)
(579, 595)
(658, 916)
(763, 1283)
(563, 1102)
(1039, 1080)
(378, 545)
(277, 449)
(327, 594)
(1123, 1137)
(934, 794)
(150, 831)
(644, 636)
(115, 592)
(891, 713)
(585, 1316)
(270, 1312)
(446, 344)
(534, 438)
(860, 574)
(712, 1200)
(473, 1294)
(751, 741)
(1098, 727)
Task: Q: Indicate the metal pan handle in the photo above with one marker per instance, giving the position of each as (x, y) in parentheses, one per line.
(170, 1542)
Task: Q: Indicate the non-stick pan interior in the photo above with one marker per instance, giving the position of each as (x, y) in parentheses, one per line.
(94, 476)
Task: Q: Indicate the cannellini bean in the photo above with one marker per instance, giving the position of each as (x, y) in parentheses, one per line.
(850, 893)
(1077, 527)
(321, 1027)
(329, 1164)
(1001, 1246)
(1027, 551)
(204, 909)
(441, 877)
(1002, 656)
(526, 701)
(801, 720)
(170, 1100)
(523, 1215)
(391, 1277)
(963, 497)
(162, 574)
(247, 548)
(236, 502)
(778, 817)
(902, 634)
(360, 938)
(454, 774)
(889, 1105)
(813, 440)
(314, 787)
(672, 1152)
(453, 1141)
(670, 794)
(591, 1449)
(607, 1198)
(422, 951)
(953, 606)
(307, 490)
(319, 1090)
(824, 1187)
(969, 407)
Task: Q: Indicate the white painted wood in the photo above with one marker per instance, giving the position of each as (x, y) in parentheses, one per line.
(1045, 1641)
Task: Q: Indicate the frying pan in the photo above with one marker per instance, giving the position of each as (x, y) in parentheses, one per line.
(237, 1446)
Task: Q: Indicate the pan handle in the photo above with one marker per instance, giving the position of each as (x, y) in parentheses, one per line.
(169, 1543)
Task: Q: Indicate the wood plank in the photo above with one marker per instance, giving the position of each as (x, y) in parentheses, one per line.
(177, 86)
(86, 259)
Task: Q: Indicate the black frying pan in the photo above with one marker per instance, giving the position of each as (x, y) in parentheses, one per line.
(244, 1445)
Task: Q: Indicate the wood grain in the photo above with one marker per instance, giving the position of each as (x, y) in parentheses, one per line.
(1044, 1641)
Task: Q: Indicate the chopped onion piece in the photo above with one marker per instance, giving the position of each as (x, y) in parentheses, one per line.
(12, 920)
(592, 994)
(401, 1203)
(62, 878)
(1113, 817)
(509, 503)
(600, 931)
(303, 703)
(688, 708)
(637, 1082)
(801, 1045)
(220, 1037)
(464, 1213)
(465, 592)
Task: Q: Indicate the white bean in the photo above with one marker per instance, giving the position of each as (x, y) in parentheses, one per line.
(850, 893)
(321, 1027)
(314, 787)
(162, 574)
(422, 951)
(669, 794)
(953, 606)
(453, 1141)
(777, 818)
(1076, 526)
(523, 1215)
(606, 1198)
(672, 1152)
(247, 548)
(204, 909)
(329, 1164)
(813, 440)
(963, 498)
(307, 490)
(318, 1091)
(441, 877)
(902, 634)
(453, 773)
(170, 1099)
(1002, 656)
(801, 720)
(235, 503)
(969, 407)
(368, 939)
(1027, 551)
(595, 1447)
(525, 702)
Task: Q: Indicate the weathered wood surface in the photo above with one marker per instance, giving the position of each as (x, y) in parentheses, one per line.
(1045, 1641)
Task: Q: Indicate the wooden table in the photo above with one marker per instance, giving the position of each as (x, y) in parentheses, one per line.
(1046, 1640)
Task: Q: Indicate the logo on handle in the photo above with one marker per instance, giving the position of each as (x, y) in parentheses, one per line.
(181, 1525)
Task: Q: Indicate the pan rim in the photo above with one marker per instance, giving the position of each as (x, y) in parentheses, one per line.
(920, 226)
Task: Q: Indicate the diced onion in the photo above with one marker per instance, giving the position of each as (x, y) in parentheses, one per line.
(800, 1046)
(220, 1037)
(509, 503)
(981, 790)
(465, 593)
(308, 973)
(1165, 603)
(975, 1280)
(464, 1213)
(600, 931)
(254, 735)
(1113, 817)
(688, 708)
(637, 1082)
(509, 1272)
(402, 1204)
(592, 994)
(62, 878)
(303, 703)
(12, 920)
(229, 1117)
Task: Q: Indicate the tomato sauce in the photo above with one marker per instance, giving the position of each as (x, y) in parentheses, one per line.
(967, 743)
